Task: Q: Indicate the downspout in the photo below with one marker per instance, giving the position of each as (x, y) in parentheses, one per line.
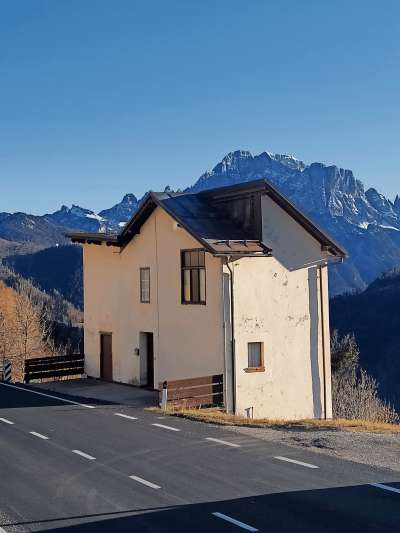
(232, 337)
(323, 335)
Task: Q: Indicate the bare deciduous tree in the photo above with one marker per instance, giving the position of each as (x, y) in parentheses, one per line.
(355, 394)
(24, 328)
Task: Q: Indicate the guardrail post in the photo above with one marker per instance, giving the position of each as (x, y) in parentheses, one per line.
(7, 372)
(164, 397)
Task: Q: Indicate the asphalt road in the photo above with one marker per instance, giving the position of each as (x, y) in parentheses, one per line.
(71, 467)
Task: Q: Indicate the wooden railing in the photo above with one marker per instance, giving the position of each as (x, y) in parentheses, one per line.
(56, 366)
(193, 392)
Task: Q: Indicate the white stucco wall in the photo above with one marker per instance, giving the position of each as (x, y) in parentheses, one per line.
(277, 302)
(188, 339)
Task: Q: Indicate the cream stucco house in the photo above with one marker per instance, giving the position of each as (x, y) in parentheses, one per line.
(228, 281)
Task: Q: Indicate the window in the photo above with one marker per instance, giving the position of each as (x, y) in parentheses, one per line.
(145, 285)
(255, 357)
(193, 276)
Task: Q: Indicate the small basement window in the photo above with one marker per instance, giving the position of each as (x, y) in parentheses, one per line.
(255, 354)
(145, 285)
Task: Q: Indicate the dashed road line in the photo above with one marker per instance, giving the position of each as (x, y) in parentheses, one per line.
(48, 395)
(145, 482)
(85, 455)
(235, 522)
(219, 441)
(385, 487)
(122, 415)
(307, 465)
(6, 421)
(166, 427)
(39, 435)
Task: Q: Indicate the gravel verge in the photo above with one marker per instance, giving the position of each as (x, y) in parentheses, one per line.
(374, 449)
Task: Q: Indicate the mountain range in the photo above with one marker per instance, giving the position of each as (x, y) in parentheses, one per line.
(363, 221)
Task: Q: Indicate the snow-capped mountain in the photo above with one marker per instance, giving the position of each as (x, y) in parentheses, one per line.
(76, 217)
(318, 188)
(108, 220)
(118, 215)
(49, 229)
(364, 221)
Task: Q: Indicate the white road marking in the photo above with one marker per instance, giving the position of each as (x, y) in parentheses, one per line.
(6, 421)
(166, 427)
(85, 455)
(2, 530)
(223, 442)
(39, 435)
(145, 482)
(126, 416)
(47, 395)
(234, 521)
(385, 487)
(307, 465)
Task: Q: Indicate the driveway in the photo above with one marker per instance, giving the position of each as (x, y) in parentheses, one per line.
(102, 391)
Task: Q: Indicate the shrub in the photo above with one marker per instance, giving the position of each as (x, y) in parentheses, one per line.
(355, 394)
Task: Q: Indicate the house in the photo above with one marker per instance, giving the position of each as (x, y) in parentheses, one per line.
(228, 281)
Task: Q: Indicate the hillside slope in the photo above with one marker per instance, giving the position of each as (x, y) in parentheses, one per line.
(374, 317)
(53, 269)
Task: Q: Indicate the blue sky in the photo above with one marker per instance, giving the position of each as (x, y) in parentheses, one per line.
(99, 98)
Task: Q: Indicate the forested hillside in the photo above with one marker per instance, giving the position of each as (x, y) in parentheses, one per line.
(52, 322)
(374, 317)
(53, 269)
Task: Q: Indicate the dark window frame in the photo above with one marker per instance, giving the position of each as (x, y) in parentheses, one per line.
(261, 367)
(143, 269)
(197, 268)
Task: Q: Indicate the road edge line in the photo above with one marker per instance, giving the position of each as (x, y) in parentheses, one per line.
(48, 395)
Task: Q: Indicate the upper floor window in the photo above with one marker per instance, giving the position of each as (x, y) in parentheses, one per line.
(145, 285)
(193, 276)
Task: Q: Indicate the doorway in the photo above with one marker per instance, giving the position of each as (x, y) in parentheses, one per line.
(106, 365)
(147, 359)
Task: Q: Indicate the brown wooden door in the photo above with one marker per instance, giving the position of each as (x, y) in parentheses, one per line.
(106, 366)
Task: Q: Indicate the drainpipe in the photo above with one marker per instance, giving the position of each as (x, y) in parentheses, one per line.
(321, 292)
(232, 337)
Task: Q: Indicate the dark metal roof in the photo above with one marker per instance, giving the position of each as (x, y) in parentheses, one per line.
(205, 217)
(263, 186)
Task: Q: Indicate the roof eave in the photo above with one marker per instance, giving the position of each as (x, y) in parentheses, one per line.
(93, 238)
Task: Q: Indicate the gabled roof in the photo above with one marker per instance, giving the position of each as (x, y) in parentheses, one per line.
(207, 216)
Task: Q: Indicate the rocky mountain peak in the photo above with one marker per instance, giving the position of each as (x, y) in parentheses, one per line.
(118, 215)
(129, 199)
(396, 205)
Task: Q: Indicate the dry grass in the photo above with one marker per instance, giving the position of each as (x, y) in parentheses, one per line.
(216, 416)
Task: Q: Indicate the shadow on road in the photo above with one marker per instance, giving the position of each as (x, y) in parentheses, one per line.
(355, 508)
(12, 397)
